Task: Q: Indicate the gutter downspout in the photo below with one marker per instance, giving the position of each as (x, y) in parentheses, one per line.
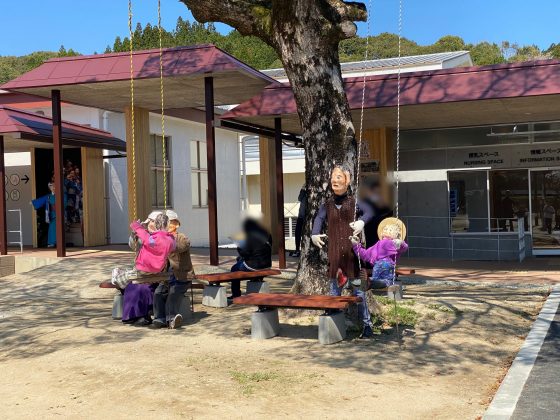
(244, 198)
(107, 173)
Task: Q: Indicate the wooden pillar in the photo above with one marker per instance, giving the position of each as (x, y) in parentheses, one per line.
(58, 182)
(211, 163)
(379, 147)
(93, 179)
(279, 193)
(33, 197)
(139, 183)
(3, 230)
(269, 206)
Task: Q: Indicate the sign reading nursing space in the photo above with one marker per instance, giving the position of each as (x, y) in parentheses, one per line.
(514, 156)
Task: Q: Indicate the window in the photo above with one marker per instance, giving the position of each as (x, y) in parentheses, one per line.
(199, 174)
(158, 169)
(488, 201)
(468, 201)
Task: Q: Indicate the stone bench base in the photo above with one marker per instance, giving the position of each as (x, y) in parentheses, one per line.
(214, 296)
(117, 305)
(257, 286)
(332, 328)
(265, 324)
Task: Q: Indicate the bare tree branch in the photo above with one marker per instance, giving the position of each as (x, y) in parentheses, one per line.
(348, 12)
(249, 17)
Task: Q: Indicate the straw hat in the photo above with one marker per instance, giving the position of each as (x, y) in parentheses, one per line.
(393, 226)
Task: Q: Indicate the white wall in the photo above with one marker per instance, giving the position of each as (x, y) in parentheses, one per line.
(195, 220)
(18, 195)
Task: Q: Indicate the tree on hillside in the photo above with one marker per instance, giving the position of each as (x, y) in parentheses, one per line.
(553, 51)
(305, 35)
(449, 43)
(485, 53)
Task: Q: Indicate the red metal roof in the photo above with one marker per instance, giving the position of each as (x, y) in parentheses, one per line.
(35, 127)
(427, 87)
(179, 61)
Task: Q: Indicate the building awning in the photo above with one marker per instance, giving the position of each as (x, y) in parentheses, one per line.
(103, 80)
(507, 93)
(22, 130)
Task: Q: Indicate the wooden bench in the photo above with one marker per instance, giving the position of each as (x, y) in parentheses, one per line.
(117, 300)
(265, 323)
(214, 294)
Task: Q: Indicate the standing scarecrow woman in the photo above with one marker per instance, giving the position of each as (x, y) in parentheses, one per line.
(48, 202)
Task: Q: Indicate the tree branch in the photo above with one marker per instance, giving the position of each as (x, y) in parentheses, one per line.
(348, 12)
(249, 17)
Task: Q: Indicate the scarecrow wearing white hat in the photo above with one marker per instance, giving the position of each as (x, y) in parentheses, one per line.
(169, 294)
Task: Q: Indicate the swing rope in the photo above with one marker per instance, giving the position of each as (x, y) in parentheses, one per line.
(360, 137)
(133, 139)
(163, 147)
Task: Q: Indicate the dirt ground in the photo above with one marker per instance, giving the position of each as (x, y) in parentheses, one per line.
(61, 355)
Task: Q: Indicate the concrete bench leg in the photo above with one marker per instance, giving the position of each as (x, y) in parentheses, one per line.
(257, 286)
(117, 305)
(265, 324)
(185, 307)
(395, 291)
(332, 328)
(214, 296)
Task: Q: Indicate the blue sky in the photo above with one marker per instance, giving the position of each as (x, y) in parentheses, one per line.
(88, 26)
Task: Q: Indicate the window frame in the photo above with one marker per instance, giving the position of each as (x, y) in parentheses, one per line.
(156, 168)
(199, 171)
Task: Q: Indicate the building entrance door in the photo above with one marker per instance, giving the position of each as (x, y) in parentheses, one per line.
(545, 211)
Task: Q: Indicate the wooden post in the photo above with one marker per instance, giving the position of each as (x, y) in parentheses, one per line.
(279, 194)
(93, 178)
(33, 197)
(211, 163)
(139, 193)
(269, 197)
(58, 183)
(3, 230)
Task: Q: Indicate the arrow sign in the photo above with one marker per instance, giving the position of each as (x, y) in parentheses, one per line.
(25, 178)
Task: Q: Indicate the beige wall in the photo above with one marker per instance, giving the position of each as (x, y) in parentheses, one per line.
(93, 175)
(292, 186)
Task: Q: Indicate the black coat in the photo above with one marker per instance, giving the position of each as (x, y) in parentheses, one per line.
(257, 248)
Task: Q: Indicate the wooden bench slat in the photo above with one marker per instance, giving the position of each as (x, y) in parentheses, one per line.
(107, 285)
(236, 275)
(287, 300)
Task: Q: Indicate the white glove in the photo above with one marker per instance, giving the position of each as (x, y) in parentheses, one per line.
(357, 227)
(354, 240)
(318, 240)
(397, 243)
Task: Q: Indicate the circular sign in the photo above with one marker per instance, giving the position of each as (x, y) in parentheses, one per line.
(14, 179)
(15, 195)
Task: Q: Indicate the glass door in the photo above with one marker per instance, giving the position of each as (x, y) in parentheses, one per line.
(545, 211)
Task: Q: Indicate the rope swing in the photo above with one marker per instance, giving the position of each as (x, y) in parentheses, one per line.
(132, 110)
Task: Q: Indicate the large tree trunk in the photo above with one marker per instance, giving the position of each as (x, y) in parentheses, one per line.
(305, 34)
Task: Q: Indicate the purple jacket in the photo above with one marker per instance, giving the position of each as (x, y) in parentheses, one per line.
(385, 249)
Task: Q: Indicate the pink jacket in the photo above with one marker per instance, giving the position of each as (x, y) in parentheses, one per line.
(155, 249)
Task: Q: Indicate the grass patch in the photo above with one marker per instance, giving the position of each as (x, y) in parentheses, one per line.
(249, 380)
(404, 315)
(443, 308)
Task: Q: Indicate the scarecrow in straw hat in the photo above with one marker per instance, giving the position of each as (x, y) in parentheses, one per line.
(383, 257)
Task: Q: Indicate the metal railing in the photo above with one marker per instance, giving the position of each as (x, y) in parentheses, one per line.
(465, 238)
(19, 231)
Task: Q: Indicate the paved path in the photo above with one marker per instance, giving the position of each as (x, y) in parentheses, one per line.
(540, 398)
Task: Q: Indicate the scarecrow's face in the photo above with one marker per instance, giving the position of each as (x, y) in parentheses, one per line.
(339, 181)
(151, 226)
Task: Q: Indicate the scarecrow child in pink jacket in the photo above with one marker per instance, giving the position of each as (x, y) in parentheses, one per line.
(155, 246)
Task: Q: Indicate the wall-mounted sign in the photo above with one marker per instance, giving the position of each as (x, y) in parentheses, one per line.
(369, 167)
